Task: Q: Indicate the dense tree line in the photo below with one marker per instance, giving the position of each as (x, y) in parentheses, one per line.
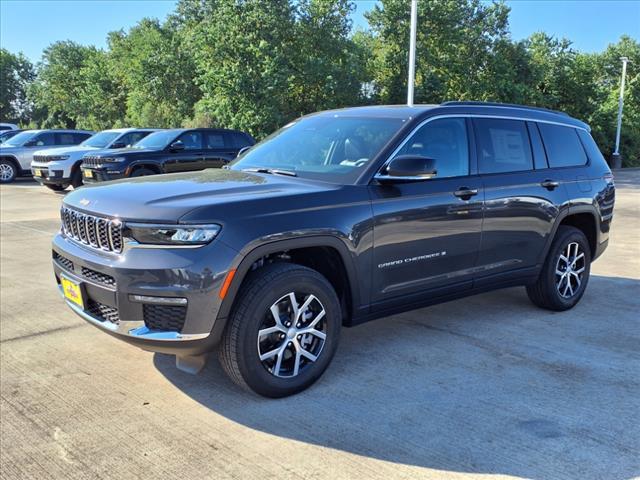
(256, 65)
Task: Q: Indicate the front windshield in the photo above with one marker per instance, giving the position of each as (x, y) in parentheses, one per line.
(20, 139)
(101, 140)
(330, 148)
(157, 140)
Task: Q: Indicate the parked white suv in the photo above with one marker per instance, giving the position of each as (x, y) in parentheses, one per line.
(17, 152)
(57, 168)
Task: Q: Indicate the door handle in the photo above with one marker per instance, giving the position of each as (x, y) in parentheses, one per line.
(465, 193)
(550, 184)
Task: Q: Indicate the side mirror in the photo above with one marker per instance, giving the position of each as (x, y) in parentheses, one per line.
(119, 145)
(243, 149)
(408, 168)
(177, 146)
(30, 143)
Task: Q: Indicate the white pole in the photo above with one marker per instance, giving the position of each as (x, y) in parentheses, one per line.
(412, 51)
(620, 104)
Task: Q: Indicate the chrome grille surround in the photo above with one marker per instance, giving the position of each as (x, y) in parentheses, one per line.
(97, 232)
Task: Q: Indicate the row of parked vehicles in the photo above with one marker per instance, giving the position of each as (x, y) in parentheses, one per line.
(58, 159)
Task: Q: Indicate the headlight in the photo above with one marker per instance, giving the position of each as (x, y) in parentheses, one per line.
(58, 158)
(113, 159)
(172, 234)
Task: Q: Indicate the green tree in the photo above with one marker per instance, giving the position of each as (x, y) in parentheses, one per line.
(242, 51)
(16, 73)
(607, 70)
(261, 64)
(156, 73)
(73, 87)
(454, 44)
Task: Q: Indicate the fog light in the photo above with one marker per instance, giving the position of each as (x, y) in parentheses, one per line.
(158, 300)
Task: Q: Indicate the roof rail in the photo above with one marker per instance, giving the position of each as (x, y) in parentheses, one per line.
(498, 104)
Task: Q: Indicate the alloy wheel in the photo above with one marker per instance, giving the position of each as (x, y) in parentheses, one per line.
(292, 334)
(6, 172)
(570, 269)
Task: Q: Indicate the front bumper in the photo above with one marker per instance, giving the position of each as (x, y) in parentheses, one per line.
(49, 176)
(93, 175)
(110, 281)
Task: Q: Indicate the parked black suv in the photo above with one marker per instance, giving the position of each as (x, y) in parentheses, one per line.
(167, 151)
(338, 218)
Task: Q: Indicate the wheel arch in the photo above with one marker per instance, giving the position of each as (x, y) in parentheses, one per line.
(584, 219)
(13, 160)
(336, 265)
(145, 164)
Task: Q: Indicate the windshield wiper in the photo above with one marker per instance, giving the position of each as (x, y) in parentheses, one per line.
(272, 171)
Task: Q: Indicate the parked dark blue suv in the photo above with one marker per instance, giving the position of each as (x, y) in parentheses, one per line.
(167, 151)
(338, 218)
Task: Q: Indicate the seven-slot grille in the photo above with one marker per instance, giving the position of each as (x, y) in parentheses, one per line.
(91, 161)
(94, 231)
(40, 158)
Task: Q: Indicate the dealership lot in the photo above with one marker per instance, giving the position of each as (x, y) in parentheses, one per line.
(488, 385)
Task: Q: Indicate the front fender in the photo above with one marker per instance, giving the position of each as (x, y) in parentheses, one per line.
(256, 250)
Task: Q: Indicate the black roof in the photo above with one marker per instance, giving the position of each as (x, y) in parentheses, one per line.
(463, 107)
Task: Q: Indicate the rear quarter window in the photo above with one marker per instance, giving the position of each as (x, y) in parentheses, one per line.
(589, 144)
(562, 145)
(240, 140)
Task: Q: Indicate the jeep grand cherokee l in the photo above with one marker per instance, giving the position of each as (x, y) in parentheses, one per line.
(17, 153)
(57, 168)
(167, 151)
(338, 218)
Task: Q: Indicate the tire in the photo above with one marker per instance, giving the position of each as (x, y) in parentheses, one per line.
(76, 178)
(561, 291)
(142, 172)
(55, 187)
(241, 347)
(8, 171)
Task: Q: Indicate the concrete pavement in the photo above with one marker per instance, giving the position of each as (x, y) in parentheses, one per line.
(488, 386)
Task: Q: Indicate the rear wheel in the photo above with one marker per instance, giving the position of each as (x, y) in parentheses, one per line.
(565, 272)
(283, 331)
(8, 171)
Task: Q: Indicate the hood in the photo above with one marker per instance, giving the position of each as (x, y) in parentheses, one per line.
(79, 149)
(167, 198)
(9, 148)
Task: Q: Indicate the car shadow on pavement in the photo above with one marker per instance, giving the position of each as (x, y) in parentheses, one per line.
(485, 385)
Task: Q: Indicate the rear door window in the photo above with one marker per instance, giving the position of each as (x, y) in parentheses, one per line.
(64, 138)
(503, 145)
(563, 146)
(214, 140)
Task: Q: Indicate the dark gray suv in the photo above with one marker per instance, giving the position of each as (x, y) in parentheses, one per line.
(338, 218)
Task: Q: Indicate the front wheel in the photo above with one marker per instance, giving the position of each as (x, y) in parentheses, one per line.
(76, 178)
(283, 331)
(565, 272)
(142, 172)
(8, 171)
